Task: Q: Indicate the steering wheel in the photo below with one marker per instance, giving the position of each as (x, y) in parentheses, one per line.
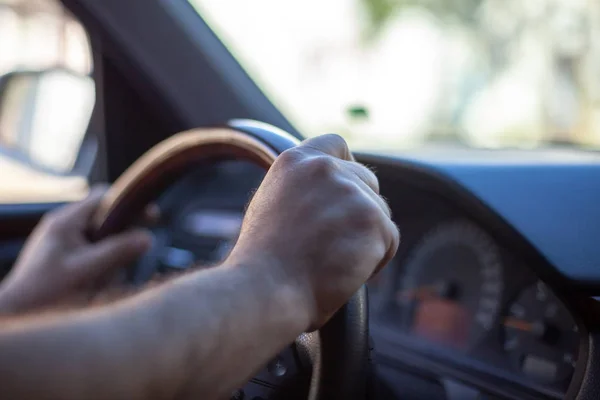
(338, 354)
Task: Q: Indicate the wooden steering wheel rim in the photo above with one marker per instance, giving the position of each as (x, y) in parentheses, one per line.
(146, 178)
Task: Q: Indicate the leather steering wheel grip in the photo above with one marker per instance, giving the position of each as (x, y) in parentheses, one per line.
(341, 371)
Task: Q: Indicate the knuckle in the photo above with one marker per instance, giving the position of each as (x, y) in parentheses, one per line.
(321, 166)
(396, 237)
(330, 143)
(386, 207)
(397, 234)
(365, 215)
(290, 157)
(349, 190)
(336, 140)
(371, 178)
(365, 174)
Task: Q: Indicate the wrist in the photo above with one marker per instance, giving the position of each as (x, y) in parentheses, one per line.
(288, 294)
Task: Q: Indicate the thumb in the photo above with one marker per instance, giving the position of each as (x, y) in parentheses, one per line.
(112, 253)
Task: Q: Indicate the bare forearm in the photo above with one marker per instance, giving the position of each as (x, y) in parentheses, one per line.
(231, 320)
(204, 333)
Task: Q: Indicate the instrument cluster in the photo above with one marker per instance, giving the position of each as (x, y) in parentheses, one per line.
(458, 295)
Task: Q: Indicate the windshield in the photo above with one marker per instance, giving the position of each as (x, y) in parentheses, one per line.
(394, 74)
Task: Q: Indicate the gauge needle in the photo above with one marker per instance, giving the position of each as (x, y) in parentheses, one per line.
(519, 324)
(535, 328)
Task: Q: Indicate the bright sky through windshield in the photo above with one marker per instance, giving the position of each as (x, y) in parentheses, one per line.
(506, 73)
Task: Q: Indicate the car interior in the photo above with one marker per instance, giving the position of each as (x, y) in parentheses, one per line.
(493, 293)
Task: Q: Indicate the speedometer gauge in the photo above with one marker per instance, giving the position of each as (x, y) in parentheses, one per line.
(541, 336)
(451, 289)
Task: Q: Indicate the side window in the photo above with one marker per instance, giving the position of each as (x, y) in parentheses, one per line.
(46, 100)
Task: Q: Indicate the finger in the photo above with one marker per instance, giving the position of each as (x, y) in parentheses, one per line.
(370, 185)
(112, 253)
(330, 144)
(78, 214)
(364, 174)
(377, 199)
(380, 201)
(392, 238)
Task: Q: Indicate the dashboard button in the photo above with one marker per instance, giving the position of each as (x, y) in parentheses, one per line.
(238, 395)
(277, 368)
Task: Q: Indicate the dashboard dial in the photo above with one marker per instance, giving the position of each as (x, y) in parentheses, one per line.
(541, 336)
(451, 290)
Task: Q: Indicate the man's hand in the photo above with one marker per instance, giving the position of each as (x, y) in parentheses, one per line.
(58, 262)
(319, 219)
(314, 232)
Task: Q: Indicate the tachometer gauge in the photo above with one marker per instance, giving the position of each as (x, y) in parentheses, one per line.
(541, 336)
(451, 289)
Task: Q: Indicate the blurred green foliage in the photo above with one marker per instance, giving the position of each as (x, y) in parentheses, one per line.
(358, 112)
(379, 12)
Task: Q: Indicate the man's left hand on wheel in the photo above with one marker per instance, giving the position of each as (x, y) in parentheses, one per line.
(59, 262)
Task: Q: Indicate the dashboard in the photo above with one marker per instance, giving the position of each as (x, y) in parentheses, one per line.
(457, 313)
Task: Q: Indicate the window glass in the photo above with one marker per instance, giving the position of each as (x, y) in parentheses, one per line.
(46, 99)
(394, 74)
